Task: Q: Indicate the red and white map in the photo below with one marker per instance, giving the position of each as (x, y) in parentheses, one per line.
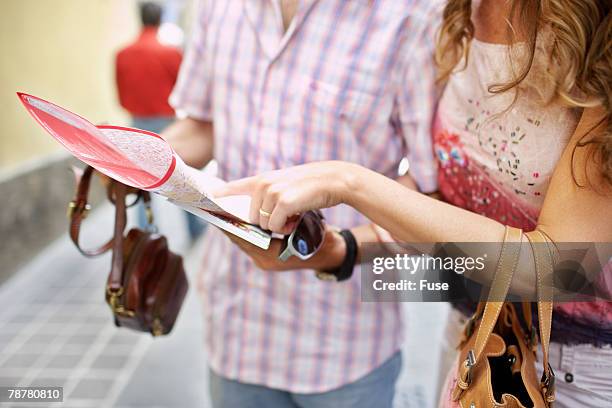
(146, 161)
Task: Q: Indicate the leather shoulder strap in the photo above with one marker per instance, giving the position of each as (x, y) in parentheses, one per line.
(78, 208)
(544, 265)
(115, 278)
(499, 288)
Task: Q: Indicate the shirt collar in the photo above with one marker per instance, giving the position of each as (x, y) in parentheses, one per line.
(272, 38)
(148, 33)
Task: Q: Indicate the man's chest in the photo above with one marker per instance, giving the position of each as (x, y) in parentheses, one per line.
(337, 47)
(313, 92)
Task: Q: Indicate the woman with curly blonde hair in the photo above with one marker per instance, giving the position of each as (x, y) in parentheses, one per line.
(523, 137)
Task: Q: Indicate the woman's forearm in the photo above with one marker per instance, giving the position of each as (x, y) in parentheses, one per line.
(414, 217)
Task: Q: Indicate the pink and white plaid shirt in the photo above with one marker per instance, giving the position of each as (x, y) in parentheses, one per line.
(349, 80)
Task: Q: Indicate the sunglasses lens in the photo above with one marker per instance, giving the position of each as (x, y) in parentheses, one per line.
(308, 235)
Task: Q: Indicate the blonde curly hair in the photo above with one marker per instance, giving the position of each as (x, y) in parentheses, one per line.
(579, 68)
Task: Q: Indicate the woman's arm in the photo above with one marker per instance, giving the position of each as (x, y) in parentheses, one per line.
(329, 256)
(571, 213)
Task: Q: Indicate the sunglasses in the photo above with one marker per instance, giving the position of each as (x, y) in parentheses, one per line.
(306, 239)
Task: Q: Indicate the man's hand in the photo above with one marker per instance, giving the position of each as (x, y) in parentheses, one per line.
(329, 256)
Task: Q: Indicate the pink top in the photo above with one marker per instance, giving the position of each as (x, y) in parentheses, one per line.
(496, 158)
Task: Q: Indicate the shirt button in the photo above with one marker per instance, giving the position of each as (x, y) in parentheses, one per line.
(569, 377)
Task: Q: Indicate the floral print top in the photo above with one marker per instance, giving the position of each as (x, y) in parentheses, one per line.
(496, 157)
(497, 153)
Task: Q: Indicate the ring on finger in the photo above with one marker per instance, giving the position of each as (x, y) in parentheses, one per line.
(264, 213)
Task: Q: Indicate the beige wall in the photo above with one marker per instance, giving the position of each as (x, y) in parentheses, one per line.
(61, 50)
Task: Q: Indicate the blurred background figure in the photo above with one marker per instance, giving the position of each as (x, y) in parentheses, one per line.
(145, 72)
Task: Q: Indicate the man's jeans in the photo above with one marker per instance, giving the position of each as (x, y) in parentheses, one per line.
(375, 390)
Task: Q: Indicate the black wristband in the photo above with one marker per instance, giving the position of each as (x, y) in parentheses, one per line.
(345, 270)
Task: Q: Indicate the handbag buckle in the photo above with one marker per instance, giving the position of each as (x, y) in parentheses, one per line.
(470, 362)
(547, 383)
(113, 300)
(80, 207)
(157, 329)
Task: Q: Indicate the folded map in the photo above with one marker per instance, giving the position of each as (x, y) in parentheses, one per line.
(146, 161)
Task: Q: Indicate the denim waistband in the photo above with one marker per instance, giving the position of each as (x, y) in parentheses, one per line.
(572, 331)
(566, 329)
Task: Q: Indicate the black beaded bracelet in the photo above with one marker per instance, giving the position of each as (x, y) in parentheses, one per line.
(345, 270)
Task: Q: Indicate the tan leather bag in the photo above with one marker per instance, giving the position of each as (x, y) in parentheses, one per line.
(147, 283)
(497, 357)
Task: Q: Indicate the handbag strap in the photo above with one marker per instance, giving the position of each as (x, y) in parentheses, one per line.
(115, 279)
(500, 285)
(78, 208)
(506, 266)
(544, 261)
(508, 260)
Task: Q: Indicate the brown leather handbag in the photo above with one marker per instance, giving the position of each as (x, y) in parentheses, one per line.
(498, 357)
(147, 283)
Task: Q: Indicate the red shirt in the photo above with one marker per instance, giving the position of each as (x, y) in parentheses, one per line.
(146, 72)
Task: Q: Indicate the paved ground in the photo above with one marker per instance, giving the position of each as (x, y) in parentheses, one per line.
(56, 330)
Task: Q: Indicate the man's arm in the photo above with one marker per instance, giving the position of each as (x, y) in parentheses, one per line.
(192, 139)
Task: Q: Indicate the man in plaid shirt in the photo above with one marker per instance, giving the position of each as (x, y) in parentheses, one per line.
(267, 84)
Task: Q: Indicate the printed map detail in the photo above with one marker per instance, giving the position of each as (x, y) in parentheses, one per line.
(146, 161)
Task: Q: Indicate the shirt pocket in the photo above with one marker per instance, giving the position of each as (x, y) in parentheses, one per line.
(346, 104)
(331, 117)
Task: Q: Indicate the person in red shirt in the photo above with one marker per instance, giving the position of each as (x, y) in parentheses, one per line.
(146, 71)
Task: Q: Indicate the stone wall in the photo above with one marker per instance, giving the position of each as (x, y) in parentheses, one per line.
(33, 199)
